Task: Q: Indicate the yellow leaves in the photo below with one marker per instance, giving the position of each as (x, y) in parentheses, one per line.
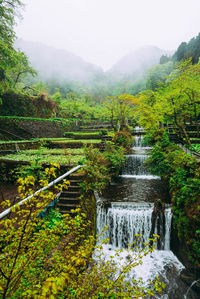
(6, 203)
(50, 172)
(7, 223)
(56, 165)
(79, 262)
(43, 183)
(66, 184)
(29, 180)
(20, 181)
(53, 285)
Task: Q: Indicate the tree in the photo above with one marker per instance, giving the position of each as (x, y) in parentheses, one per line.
(149, 110)
(157, 74)
(177, 101)
(21, 69)
(120, 110)
(9, 9)
(13, 64)
(187, 50)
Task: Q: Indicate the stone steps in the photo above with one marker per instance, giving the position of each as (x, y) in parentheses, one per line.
(70, 198)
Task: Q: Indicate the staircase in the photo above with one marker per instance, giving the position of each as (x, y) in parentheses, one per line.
(70, 198)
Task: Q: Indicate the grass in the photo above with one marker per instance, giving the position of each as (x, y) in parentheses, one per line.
(39, 119)
(83, 133)
(195, 147)
(56, 151)
(60, 159)
(68, 140)
(57, 140)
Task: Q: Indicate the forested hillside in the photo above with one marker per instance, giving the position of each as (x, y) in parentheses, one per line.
(55, 64)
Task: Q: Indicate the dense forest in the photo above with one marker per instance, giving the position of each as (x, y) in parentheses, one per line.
(53, 106)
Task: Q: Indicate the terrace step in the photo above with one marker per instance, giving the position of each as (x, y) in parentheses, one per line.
(70, 194)
(73, 188)
(67, 212)
(78, 177)
(70, 200)
(67, 206)
(75, 183)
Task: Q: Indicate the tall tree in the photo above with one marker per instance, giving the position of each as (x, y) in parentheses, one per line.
(9, 9)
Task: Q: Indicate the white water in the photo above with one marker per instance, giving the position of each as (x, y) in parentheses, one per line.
(140, 177)
(138, 143)
(127, 219)
(138, 130)
(124, 220)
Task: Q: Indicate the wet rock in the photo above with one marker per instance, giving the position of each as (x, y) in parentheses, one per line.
(191, 277)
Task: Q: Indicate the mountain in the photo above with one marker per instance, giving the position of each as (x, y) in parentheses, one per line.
(60, 64)
(137, 62)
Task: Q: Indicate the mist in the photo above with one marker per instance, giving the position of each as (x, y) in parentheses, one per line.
(102, 32)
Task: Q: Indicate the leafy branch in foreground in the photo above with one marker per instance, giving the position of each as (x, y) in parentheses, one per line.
(51, 257)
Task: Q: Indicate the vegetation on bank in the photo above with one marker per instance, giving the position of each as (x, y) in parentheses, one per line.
(182, 174)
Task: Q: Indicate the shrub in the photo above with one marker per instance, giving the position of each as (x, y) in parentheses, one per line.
(123, 138)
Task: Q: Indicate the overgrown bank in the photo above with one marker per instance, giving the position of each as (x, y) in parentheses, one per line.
(182, 173)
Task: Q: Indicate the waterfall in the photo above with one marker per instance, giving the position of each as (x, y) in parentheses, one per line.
(138, 141)
(135, 165)
(135, 168)
(138, 130)
(125, 220)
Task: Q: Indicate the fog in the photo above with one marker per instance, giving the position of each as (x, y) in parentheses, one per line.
(103, 31)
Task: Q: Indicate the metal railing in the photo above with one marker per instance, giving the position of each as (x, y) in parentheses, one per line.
(7, 211)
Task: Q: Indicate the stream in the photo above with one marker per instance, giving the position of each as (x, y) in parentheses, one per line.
(127, 209)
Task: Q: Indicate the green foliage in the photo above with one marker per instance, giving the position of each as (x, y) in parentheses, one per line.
(120, 110)
(195, 147)
(123, 138)
(17, 103)
(20, 103)
(182, 173)
(83, 108)
(42, 158)
(96, 171)
(157, 74)
(190, 49)
(38, 249)
(59, 120)
(156, 135)
(157, 162)
(115, 156)
(100, 167)
(176, 101)
(8, 11)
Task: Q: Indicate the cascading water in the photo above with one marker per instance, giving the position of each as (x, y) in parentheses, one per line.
(138, 141)
(135, 167)
(125, 219)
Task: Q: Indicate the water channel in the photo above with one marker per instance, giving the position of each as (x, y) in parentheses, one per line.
(127, 209)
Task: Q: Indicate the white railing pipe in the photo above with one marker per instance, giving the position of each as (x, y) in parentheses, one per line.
(7, 211)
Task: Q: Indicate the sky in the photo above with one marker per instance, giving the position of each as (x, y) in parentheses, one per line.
(103, 31)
